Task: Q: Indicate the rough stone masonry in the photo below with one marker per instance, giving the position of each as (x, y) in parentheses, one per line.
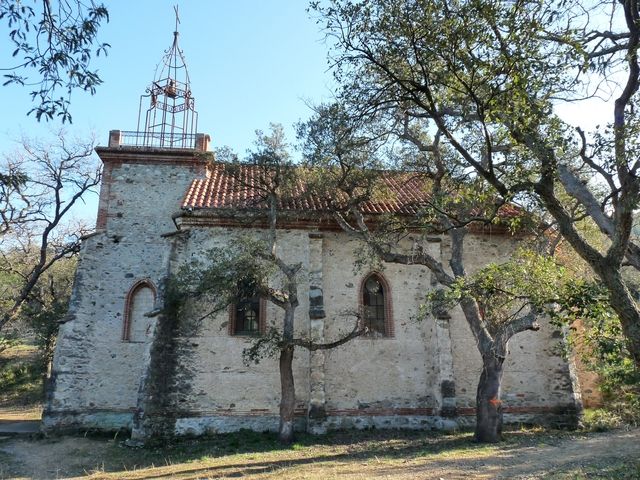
(118, 365)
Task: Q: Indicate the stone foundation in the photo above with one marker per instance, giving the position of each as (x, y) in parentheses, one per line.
(199, 425)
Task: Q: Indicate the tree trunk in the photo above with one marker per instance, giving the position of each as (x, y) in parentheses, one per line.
(624, 305)
(488, 403)
(288, 399)
(608, 269)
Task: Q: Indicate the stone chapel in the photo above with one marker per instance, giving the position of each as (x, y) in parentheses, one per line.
(118, 366)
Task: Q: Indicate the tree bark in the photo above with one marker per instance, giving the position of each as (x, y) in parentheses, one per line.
(488, 402)
(491, 345)
(626, 308)
(288, 395)
(608, 269)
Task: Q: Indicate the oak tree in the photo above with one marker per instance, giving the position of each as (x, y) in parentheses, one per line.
(53, 42)
(345, 158)
(257, 266)
(486, 77)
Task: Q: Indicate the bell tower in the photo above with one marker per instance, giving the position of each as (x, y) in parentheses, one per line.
(167, 116)
(148, 171)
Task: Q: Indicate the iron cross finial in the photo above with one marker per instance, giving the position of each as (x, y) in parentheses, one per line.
(175, 9)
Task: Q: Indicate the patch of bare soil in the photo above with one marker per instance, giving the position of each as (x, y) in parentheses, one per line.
(79, 457)
(537, 461)
(49, 458)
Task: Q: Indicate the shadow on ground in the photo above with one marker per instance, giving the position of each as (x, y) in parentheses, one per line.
(396, 454)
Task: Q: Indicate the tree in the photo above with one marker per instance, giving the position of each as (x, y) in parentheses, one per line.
(255, 266)
(485, 76)
(344, 157)
(38, 229)
(41, 314)
(53, 47)
(601, 343)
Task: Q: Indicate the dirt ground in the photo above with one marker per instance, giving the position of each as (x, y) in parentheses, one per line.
(544, 457)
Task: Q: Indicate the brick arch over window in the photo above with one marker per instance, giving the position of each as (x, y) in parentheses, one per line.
(140, 299)
(376, 305)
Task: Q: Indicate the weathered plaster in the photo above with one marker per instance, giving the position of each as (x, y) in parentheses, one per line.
(180, 381)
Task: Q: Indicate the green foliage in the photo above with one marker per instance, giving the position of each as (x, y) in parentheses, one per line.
(503, 290)
(616, 413)
(45, 307)
(271, 151)
(7, 341)
(220, 277)
(484, 79)
(491, 54)
(342, 157)
(606, 345)
(247, 266)
(223, 275)
(45, 323)
(273, 174)
(351, 160)
(603, 344)
(12, 376)
(601, 420)
(52, 49)
(20, 376)
(11, 180)
(265, 346)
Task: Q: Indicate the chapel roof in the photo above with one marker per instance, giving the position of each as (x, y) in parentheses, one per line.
(402, 193)
(223, 190)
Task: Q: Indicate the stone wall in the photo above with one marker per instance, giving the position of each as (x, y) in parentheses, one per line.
(377, 380)
(95, 374)
(226, 394)
(175, 381)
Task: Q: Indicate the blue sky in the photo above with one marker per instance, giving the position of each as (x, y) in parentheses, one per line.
(251, 62)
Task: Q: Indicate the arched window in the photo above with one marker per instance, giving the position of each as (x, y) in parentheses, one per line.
(140, 300)
(375, 300)
(247, 317)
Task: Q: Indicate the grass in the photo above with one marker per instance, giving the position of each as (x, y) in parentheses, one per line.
(20, 377)
(616, 470)
(261, 456)
(600, 420)
(354, 454)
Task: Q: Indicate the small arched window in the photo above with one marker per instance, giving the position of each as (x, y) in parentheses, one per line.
(247, 314)
(375, 299)
(140, 300)
(247, 317)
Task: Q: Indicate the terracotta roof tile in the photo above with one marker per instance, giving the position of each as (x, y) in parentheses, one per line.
(403, 193)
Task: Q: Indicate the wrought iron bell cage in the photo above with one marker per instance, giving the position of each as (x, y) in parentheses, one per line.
(170, 121)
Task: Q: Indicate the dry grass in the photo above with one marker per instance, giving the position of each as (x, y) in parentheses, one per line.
(260, 456)
(18, 414)
(21, 392)
(525, 454)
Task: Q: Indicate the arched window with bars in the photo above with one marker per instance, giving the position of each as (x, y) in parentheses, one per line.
(375, 302)
(247, 315)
